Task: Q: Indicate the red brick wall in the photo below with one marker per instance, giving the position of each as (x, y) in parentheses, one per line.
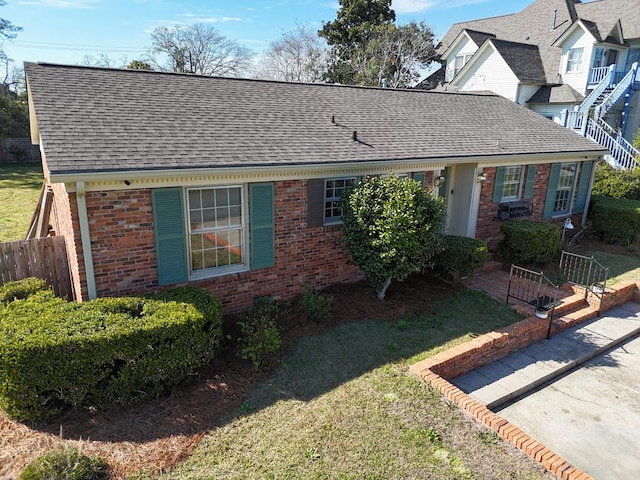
(488, 227)
(123, 248)
(64, 220)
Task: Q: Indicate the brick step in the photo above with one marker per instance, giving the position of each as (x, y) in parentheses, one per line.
(490, 266)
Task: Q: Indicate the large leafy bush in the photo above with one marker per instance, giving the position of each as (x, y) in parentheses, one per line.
(393, 227)
(616, 183)
(56, 354)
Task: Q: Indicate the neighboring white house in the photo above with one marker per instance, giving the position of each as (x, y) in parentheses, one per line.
(565, 59)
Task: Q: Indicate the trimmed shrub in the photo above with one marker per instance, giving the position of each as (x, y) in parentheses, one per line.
(55, 354)
(530, 242)
(259, 339)
(67, 464)
(21, 289)
(615, 220)
(461, 257)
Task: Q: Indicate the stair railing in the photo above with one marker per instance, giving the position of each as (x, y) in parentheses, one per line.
(623, 152)
(599, 90)
(620, 89)
(533, 288)
(585, 272)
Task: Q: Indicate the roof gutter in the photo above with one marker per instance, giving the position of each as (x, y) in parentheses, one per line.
(85, 238)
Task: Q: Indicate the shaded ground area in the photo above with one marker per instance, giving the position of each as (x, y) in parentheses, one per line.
(157, 434)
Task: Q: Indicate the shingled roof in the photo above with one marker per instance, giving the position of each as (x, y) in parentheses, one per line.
(544, 21)
(101, 120)
(523, 60)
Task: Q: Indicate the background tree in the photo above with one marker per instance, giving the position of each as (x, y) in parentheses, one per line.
(394, 54)
(103, 60)
(14, 116)
(353, 26)
(139, 65)
(299, 56)
(199, 49)
(393, 227)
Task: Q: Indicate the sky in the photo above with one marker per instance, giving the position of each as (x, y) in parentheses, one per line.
(65, 31)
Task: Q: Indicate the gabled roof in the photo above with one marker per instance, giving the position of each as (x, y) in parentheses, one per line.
(538, 24)
(544, 21)
(94, 120)
(606, 14)
(478, 38)
(557, 94)
(524, 60)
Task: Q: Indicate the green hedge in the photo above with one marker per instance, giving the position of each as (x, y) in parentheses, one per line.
(530, 242)
(615, 220)
(616, 183)
(461, 257)
(106, 352)
(21, 289)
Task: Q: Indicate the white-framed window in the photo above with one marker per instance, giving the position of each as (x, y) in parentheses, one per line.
(512, 183)
(564, 191)
(333, 191)
(216, 223)
(574, 60)
(459, 62)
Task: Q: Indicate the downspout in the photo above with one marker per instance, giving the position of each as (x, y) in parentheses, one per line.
(85, 239)
(588, 199)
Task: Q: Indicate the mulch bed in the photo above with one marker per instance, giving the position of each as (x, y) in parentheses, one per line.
(155, 435)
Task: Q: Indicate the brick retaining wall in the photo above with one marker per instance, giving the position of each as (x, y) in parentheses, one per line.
(445, 366)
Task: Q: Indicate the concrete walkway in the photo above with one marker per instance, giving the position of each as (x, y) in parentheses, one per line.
(520, 372)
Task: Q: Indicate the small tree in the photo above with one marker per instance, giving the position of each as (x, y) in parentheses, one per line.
(393, 227)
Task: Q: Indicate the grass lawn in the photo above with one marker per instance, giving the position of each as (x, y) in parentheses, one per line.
(621, 266)
(341, 406)
(19, 189)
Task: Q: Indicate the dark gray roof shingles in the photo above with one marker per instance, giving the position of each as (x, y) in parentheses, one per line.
(93, 119)
(524, 60)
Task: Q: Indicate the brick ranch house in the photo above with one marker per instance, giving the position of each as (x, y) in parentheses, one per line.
(232, 184)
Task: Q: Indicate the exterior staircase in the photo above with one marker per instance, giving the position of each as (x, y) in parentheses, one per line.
(588, 117)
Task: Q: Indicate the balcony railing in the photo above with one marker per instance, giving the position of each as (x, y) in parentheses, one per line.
(597, 75)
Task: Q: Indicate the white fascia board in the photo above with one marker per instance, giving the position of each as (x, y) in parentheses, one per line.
(134, 179)
(461, 36)
(569, 31)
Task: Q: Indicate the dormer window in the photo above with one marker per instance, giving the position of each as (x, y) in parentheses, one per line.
(459, 62)
(574, 60)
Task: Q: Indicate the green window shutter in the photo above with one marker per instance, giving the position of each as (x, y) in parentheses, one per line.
(550, 199)
(498, 184)
(315, 204)
(420, 178)
(262, 225)
(583, 186)
(442, 190)
(169, 230)
(528, 186)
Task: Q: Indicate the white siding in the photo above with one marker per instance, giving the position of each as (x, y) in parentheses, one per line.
(525, 92)
(554, 112)
(464, 47)
(490, 72)
(578, 79)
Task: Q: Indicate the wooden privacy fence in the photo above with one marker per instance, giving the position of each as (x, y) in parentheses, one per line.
(39, 257)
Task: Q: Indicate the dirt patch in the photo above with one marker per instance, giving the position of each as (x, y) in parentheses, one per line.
(155, 435)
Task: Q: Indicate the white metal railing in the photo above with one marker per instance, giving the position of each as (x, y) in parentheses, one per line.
(619, 90)
(597, 75)
(623, 152)
(599, 90)
(575, 120)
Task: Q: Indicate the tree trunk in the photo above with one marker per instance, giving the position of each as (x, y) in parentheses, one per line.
(383, 289)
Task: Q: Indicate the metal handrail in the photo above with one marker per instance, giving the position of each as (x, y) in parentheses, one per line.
(618, 91)
(622, 151)
(585, 272)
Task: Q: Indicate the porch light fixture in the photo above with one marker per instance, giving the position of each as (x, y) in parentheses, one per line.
(566, 226)
(481, 177)
(437, 181)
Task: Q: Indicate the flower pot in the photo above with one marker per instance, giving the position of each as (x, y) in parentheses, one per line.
(542, 312)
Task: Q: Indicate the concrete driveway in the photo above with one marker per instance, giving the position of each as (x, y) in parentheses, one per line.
(591, 416)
